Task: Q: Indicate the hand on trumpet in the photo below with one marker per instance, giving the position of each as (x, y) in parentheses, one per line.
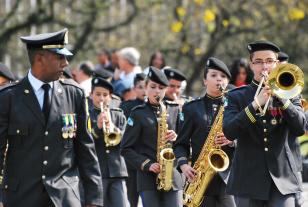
(101, 119)
(263, 96)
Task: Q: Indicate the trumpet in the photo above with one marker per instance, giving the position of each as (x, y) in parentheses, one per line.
(286, 81)
(112, 134)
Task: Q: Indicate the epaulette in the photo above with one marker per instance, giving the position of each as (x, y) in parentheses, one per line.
(9, 85)
(69, 82)
(115, 97)
(138, 107)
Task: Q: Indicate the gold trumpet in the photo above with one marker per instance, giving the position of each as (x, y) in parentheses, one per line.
(112, 134)
(286, 81)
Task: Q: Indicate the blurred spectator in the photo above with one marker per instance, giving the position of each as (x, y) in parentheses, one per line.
(157, 60)
(129, 66)
(83, 76)
(104, 61)
(240, 72)
(6, 76)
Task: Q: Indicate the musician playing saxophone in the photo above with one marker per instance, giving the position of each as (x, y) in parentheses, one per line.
(108, 121)
(140, 144)
(199, 116)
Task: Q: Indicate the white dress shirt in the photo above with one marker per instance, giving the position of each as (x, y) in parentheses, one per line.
(37, 88)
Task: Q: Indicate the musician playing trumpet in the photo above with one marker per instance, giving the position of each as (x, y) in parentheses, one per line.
(107, 124)
(263, 173)
(199, 116)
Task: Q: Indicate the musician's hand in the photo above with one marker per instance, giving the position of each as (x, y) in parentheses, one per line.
(221, 140)
(155, 168)
(189, 172)
(102, 117)
(264, 95)
(171, 135)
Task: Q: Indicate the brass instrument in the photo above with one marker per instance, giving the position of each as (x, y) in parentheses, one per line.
(210, 161)
(165, 155)
(112, 134)
(286, 81)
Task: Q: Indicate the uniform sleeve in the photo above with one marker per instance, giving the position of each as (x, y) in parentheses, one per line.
(87, 159)
(294, 115)
(4, 117)
(182, 144)
(237, 120)
(131, 139)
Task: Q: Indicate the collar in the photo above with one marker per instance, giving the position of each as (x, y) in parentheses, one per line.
(213, 98)
(36, 83)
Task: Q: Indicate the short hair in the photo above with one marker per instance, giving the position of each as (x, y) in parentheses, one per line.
(87, 67)
(32, 53)
(138, 78)
(105, 51)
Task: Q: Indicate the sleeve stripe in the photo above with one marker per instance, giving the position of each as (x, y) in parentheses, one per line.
(250, 116)
(144, 163)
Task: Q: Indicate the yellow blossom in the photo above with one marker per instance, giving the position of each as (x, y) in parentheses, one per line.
(185, 48)
(208, 16)
(176, 26)
(199, 2)
(198, 51)
(225, 23)
(296, 14)
(181, 11)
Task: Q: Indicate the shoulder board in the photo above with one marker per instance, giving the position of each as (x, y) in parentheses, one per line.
(116, 109)
(9, 85)
(138, 107)
(115, 97)
(69, 82)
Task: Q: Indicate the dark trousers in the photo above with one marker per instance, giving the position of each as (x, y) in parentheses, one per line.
(276, 200)
(114, 190)
(219, 200)
(131, 183)
(154, 198)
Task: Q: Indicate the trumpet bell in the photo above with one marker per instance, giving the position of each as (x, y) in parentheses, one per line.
(286, 81)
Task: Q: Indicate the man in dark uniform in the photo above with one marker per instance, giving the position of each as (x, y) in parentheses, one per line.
(199, 116)
(139, 145)
(50, 152)
(112, 164)
(6, 76)
(263, 171)
(127, 106)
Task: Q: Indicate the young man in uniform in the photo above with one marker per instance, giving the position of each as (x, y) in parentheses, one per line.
(263, 171)
(199, 116)
(139, 144)
(111, 163)
(43, 119)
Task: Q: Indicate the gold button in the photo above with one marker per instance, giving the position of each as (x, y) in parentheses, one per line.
(46, 133)
(266, 149)
(107, 151)
(17, 131)
(265, 139)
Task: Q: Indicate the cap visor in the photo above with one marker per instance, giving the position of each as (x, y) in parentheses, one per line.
(61, 51)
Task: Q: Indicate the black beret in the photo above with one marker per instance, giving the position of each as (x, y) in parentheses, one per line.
(216, 64)
(262, 45)
(174, 74)
(67, 73)
(54, 42)
(102, 73)
(5, 72)
(100, 82)
(283, 56)
(158, 76)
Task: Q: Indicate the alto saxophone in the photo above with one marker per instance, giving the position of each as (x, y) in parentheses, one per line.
(165, 155)
(210, 161)
(112, 134)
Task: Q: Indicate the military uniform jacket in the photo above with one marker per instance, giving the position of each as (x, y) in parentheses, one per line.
(139, 146)
(262, 155)
(198, 118)
(127, 106)
(111, 163)
(38, 156)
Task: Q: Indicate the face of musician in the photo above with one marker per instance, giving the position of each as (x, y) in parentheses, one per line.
(153, 89)
(262, 62)
(213, 79)
(100, 94)
(174, 89)
(139, 89)
(3, 81)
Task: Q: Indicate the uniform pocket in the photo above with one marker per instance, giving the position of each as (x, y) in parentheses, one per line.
(16, 134)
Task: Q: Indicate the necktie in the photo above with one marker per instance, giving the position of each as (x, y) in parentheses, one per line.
(46, 103)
